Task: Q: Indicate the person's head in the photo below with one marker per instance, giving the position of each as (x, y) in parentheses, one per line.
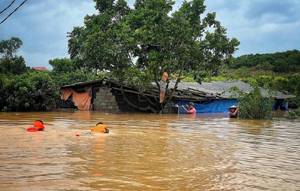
(191, 105)
(165, 76)
(100, 123)
(100, 128)
(232, 108)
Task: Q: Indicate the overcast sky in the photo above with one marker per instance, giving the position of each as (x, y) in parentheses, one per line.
(260, 25)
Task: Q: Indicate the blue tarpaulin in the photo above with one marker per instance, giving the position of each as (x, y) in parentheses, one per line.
(214, 106)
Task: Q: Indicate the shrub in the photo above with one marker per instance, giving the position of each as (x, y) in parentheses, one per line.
(33, 91)
(255, 106)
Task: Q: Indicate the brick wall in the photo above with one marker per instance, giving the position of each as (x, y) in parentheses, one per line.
(105, 101)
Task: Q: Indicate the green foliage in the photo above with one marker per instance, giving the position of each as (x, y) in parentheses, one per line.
(70, 77)
(294, 114)
(255, 106)
(187, 78)
(8, 48)
(15, 65)
(62, 65)
(281, 62)
(297, 111)
(151, 38)
(255, 75)
(65, 72)
(32, 91)
(22, 90)
(4, 80)
(10, 63)
(99, 44)
(25, 90)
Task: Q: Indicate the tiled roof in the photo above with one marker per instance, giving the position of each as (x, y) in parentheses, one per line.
(40, 68)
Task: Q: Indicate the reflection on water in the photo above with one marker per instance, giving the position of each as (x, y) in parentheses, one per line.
(148, 152)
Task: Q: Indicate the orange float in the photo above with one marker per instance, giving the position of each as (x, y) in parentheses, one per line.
(38, 125)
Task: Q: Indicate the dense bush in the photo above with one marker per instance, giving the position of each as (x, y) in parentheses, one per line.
(3, 84)
(15, 65)
(32, 91)
(255, 106)
(294, 114)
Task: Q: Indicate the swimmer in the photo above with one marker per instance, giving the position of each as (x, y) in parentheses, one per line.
(100, 128)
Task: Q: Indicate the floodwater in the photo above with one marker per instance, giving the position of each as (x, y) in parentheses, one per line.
(148, 152)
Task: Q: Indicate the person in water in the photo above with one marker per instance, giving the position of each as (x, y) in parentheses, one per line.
(190, 108)
(100, 128)
(38, 125)
(233, 111)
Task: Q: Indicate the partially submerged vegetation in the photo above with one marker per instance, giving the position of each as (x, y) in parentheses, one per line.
(30, 91)
(294, 114)
(23, 89)
(268, 71)
(135, 45)
(254, 106)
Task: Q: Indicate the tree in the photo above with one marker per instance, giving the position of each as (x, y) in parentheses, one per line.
(8, 48)
(97, 45)
(10, 63)
(152, 39)
(62, 65)
(65, 72)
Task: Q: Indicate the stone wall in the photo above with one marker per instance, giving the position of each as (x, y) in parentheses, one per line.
(105, 101)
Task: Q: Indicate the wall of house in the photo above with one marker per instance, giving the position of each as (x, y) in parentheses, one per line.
(104, 100)
(170, 108)
(213, 106)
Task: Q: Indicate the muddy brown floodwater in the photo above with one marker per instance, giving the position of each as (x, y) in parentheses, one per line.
(148, 152)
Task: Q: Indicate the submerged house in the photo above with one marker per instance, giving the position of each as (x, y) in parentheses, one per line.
(208, 97)
(223, 95)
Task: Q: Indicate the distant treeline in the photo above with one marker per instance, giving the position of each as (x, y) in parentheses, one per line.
(280, 62)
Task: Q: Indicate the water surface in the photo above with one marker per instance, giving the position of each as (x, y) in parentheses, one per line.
(148, 152)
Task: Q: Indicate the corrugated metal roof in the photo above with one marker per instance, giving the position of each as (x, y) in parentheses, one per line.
(223, 89)
(215, 89)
